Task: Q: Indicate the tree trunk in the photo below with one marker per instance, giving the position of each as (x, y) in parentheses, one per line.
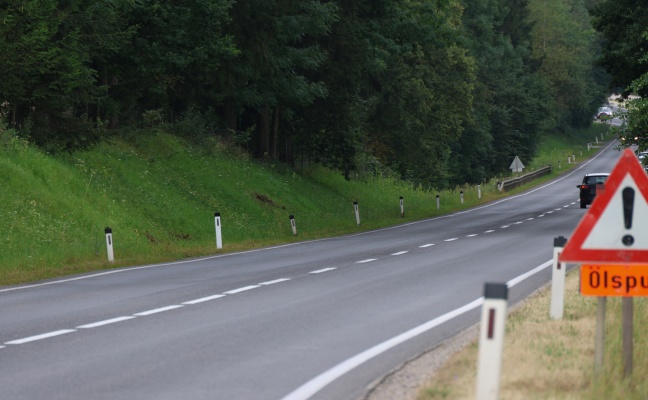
(230, 114)
(274, 137)
(263, 130)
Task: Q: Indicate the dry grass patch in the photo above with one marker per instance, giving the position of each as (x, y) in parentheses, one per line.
(543, 359)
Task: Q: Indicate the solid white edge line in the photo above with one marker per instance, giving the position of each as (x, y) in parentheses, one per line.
(316, 384)
(273, 282)
(319, 271)
(40, 337)
(158, 310)
(104, 322)
(203, 299)
(312, 387)
(243, 289)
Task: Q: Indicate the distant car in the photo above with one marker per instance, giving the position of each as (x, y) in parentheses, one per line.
(592, 184)
(604, 113)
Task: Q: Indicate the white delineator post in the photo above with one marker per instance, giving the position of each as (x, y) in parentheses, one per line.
(438, 202)
(217, 224)
(357, 212)
(557, 280)
(479, 191)
(402, 207)
(109, 244)
(292, 224)
(491, 341)
(461, 196)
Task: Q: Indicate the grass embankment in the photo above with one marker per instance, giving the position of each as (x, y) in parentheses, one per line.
(159, 196)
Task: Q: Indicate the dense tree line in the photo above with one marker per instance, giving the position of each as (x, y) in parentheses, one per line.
(438, 92)
(625, 57)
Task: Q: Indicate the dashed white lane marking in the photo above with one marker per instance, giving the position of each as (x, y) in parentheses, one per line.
(366, 261)
(451, 239)
(426, 245)
(517, 223)
(204, 299)
(504, 226)
(471, 235)
(42, 336)
(243, 289)
(319, 271)
(566, 206)
(529, 219)
(105, 322)
(2, 347)
(541, 215)
(557, 209)
(548, 212)
(273, 282)
(490, 231)
(399, 253)
(158, 310)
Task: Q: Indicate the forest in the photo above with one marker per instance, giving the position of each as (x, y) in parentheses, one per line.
(435, 92)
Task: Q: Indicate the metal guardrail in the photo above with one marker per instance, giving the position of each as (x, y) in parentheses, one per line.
(515, 182)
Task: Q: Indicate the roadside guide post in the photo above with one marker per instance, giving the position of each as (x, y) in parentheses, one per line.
(479, 191)
(557, 280)
(402, 207)
(613, 250)
(438, 201)
(491, 340)
(217, 224)
(292, 225)
(109, 244)
(357, 212)
(461, 196)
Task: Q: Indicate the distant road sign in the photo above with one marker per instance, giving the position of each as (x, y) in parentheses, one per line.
(614, 280)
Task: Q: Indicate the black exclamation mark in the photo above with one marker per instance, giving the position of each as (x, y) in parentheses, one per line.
(628, 206)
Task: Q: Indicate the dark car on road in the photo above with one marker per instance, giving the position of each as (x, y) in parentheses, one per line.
(592, 184)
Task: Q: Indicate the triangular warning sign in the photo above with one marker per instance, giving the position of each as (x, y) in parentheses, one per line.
(615, 228)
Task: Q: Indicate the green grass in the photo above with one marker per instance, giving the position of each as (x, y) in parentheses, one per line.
(159, 195)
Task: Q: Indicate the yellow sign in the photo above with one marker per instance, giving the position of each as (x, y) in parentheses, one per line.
(614, 280)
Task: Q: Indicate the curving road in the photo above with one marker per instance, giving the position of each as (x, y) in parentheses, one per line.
(320, 319)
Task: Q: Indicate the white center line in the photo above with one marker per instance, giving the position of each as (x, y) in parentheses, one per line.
(399, 253)
(548, 212)
(517, 223)
(490, 231)
(426, 245)
(319, 271)
(566, 206)
(530, 219)
(366, 261)
(273, 282)
(541, 215)
(158, 310)
(450, 240)
(505, 226)
(557, 209)
(472, 235)
(204, 299)
(43, 336)
(104, 322)
(243, 289)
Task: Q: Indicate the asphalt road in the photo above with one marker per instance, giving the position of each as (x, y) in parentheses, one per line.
(321, 319)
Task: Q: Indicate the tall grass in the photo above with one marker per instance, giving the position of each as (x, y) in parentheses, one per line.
(159, 195)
